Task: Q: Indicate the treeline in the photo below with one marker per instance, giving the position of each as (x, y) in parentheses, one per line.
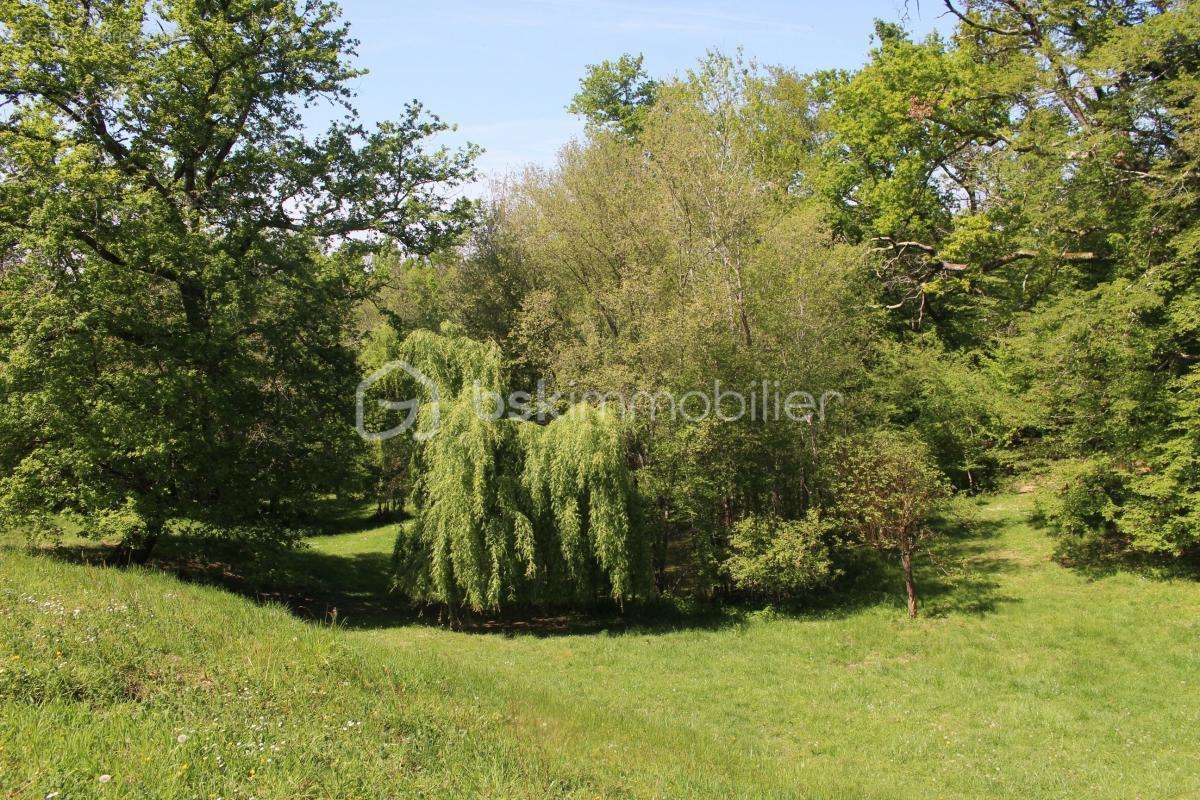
(985, 244)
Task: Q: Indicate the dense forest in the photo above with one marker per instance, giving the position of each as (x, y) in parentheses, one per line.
(977, 257)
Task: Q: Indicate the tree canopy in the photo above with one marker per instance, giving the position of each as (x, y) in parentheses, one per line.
(975, 256)
(180, 259)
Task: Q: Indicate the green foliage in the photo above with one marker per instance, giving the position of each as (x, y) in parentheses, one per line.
(986, 239)
(886, 486)
(614, 95)
(1162, 514)
(510, 512)
(779, 558)
(577, 477)
(1080, 365)
(1084, 507)
(986, 178)
(1089, 390)
(452, 363)
(473, 542)
(687, 258)
(181, 263)
(1107, 509)
(456, 363)
(950, 401)
(1030, 186)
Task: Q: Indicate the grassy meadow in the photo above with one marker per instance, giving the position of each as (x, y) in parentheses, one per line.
(1022, 679)
(765, 322)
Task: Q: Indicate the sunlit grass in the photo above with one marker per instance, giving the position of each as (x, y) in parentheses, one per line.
(1022, 680)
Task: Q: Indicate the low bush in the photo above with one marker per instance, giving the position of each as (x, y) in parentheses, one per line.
(778, 558)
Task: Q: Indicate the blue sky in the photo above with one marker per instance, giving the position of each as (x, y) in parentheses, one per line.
(505, 71)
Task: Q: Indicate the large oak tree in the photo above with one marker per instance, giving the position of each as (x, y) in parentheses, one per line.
(180, 259)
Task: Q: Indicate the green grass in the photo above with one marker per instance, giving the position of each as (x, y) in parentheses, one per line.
(1022, 680)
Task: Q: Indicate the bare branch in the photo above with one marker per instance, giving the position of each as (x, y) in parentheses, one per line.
(976, 24)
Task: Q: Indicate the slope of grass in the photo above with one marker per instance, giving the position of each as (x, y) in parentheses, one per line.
(181, 691)
(1022, 680)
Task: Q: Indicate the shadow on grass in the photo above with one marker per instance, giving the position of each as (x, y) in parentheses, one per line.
(354, 590)
(961, 569)
(957, 575)
(1096, 556)
(1095, 563)
(354, 521)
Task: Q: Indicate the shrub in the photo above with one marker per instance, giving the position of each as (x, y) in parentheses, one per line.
(1104, 509)
(1084, 509)
(777, 557)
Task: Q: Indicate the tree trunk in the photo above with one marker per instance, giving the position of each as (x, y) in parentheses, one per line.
(138, 552)
(909, 586)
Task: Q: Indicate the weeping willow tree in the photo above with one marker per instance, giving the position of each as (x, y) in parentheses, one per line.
(579, 485)
(471, 542)
(449, 363)
(505, 511)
